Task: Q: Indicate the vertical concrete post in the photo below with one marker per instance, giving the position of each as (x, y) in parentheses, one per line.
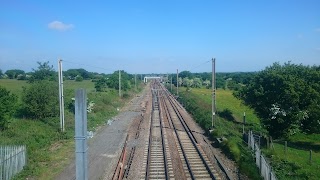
(177, 83)
(119, 83)
(61, 98)
(135, 82)
(171, 84)
(285, 148)
(213, 92)
(81, 134)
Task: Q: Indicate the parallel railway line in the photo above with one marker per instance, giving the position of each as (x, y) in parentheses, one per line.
(171, 150)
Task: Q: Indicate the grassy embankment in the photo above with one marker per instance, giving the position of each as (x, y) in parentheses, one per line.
(49, 151)
(295, 162)
(227, 125)
(292, 165)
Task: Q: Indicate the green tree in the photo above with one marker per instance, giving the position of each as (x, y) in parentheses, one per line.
(187, 82)
(71, 73)
(8, 106)
(286, 98)
(101, 84)
(84, 73)
(41, 99)
(43, 72)
(1, 74)
(113, 81)
(79, 78)
(197, 82)
(13, 73)
(207, 83)
(185, 74)
(180, 81)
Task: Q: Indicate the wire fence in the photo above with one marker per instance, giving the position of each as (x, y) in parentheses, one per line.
(265, 169)
(12, 160)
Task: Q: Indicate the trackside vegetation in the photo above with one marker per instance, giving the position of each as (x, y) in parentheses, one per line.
(227, 125)
(286, 98)
(29, 114)
(282, 105)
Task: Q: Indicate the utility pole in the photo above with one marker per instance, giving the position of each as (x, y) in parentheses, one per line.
(135, 82)
(119, 83)
(177, 84)
(171, 84)
(213, 91)
(61, 99)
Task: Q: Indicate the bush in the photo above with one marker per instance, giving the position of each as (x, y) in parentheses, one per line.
(126, 96)
(8, 107)
(79, 79)
(41, 99)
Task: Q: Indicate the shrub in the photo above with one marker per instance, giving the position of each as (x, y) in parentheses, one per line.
(8, 107)
(41, 99)
(79, 78)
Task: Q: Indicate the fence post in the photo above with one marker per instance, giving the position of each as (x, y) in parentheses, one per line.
(81, 134)
(249, 137)
(310, 157)
(244, 122)
(285, 149)
(260, 165)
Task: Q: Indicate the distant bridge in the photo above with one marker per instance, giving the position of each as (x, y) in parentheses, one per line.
(147, 78)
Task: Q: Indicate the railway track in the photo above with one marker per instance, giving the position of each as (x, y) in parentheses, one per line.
(171, 151)
(196, 164)
(158, 162)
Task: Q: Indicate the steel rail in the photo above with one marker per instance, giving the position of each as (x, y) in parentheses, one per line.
(179, 141)
(189, 133)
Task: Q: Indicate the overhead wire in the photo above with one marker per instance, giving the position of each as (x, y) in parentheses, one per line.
(199, 65)
(81, 64)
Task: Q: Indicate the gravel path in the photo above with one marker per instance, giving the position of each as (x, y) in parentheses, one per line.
(105, 147)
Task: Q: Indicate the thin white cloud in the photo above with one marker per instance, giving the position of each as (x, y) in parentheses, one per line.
(60, 26)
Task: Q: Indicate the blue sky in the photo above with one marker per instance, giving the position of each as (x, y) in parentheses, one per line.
(159, 36)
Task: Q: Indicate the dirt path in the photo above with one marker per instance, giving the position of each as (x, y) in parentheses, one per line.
(105, 147)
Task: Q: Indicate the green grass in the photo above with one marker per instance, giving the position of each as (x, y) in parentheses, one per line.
(49, 150)
(294, 165)
(86, 84)
(198, 103)
(225, 100)
(13, 85)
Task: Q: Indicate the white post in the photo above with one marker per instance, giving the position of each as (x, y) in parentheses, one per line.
(171, 84)
(81, 135)
(119, 83)
(177, 83)
(135, 82)
(213, 92)
(61, 98)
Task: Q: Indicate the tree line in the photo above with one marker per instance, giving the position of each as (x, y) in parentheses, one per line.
(286, 98)
(40, 100)
(232, 81)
